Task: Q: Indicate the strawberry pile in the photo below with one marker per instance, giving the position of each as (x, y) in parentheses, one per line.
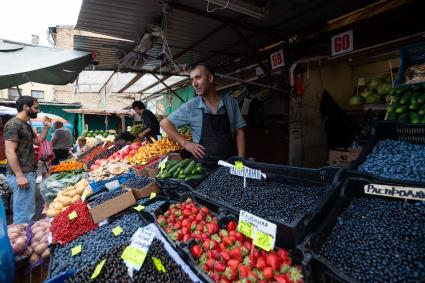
(225, 254)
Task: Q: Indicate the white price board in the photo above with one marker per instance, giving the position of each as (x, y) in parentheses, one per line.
(342, 43)
(262, 231)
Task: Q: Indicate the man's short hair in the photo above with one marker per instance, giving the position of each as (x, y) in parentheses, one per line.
(138, 104)
(205, 65)
(25, 100)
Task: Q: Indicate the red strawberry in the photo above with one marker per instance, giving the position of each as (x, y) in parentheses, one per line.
(247, 244)
(268, 273)
(191, 218)
(161, 220)
(180, 237)
(216, 255)
(185, 230)
(295, 275)
(208, 218)
(206, 245)
(219, 267)
(284, 268)
(233, 264)
(196, 251)
(273, 261)
(261, 263)
(228, 241)
(223, 279)
(200, 228)
(221, 246)
(215, 277)
(243, 270)
(230, 274)
(252, 277)
(199, 217)
(282, 253)
(244, 251)
(216, 238)
(240, 237)
(195, 210)
(223, 233)
(236, 253)
(249, 262)
(212, 228)
(281, 278)
(225, 255)
(186, 238)
(210, 263)
(204, 210)
(232, 225)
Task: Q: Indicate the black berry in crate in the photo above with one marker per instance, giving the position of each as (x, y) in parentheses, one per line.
(95, 244)
(138, 182)
(396, 160)
(262, 198)
(105, 196)
(115, 270)
(105, 154)
(379, 240)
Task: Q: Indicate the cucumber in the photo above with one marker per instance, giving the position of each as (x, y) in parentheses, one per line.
(170, 163)
(176, 173)
(405, 99)
(401, 109)
(200, 169)
(189, 167)
(195, 177)
(184, 163)
(194, 171)
(174, 168)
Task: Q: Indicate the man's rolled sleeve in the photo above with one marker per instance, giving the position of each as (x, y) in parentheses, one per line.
(180, 117)
(239, 120)
(11, 133)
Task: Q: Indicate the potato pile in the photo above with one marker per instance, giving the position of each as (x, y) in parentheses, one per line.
(40, 232)
(18, 239)
(67, 197)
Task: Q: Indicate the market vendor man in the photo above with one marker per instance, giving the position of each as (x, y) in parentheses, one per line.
(147, 118)
(216, 122)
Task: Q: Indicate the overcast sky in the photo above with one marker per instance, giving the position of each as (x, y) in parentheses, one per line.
(19, 19)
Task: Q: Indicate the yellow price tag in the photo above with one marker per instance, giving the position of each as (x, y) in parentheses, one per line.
(117, 230)
(153, 195)
(134, 255)
(263, 240)
(98, 269)
(72, 215)
(158, 264)
(139, 207)
(245, 228)
(239, 165)
(76, 250)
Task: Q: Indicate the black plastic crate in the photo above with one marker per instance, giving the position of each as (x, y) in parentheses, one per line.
(315, 267)
(291, 234)
(389, 130)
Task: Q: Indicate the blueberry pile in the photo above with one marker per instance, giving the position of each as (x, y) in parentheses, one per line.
(95, 243)
(138, 182)
(115, 270)
(379, 240)
(154, 206)
(262, 198)
(105, 154)
(396, 160)
(105, 196)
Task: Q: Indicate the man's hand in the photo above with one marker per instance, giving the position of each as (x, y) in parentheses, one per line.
(197, 150)
(22, 181)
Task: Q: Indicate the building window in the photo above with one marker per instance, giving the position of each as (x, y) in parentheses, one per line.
(39, 94)
(13, 93)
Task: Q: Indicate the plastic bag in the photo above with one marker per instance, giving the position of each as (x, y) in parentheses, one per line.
(50, 187)
(45, 151)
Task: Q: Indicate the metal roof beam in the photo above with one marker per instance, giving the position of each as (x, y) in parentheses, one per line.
(131, 82)
(178, 96)
(154, 84)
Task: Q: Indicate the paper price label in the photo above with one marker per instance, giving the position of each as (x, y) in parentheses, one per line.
(153, 195)
(112, 185)
(263, 241)
(117, 230)
(139, 207)
(76, 250)
(158, 264)
(98, 269)
(134, 256)
(72, 215)
(245, 228)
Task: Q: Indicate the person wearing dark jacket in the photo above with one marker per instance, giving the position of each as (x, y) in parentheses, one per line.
(150, 123)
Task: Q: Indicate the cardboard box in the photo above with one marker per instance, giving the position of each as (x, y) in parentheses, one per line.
(145, 191)
(112, 207)
(152, 172)
(342, 158)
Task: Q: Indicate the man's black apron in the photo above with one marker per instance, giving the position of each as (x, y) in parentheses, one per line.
(216, 137)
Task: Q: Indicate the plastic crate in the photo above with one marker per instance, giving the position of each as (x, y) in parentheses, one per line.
(291, 234)
(409, 56)
(316, 268)
(411, 133)
(97, 186)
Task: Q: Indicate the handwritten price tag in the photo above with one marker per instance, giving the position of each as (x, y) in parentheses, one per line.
(263, 241)
(117, 230)
(245, 228)
(158, 264)
(72, 215)
(153, 195)
(139, 207)
(98, 269)
(134, 256)
(76, 250)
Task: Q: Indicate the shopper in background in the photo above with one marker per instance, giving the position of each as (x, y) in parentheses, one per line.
(21, 160)
(216, 121)
(80, 147)
(61, 142)
(150, 123)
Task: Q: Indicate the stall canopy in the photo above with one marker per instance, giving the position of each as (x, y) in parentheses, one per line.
(21, 63)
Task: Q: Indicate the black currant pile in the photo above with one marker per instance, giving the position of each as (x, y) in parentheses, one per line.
(115, 270)
(262, 198)
(138, 182)
(105, 196)
(379, 240)
(396, 160)
(105, 154)
(95, 243)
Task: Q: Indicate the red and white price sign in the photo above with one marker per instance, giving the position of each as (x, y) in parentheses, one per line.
(277, 59)
(342, 43)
